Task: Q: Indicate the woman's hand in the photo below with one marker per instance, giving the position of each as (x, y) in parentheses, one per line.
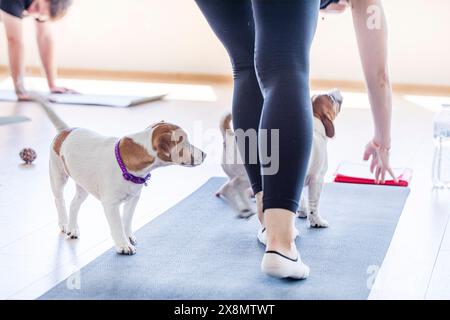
(62, 90)
(22, 94)
(380, 162)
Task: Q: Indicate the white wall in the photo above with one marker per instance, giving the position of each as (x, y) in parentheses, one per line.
(172, 36)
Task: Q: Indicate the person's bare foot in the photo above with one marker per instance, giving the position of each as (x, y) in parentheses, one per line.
(282, 258)
(278, 265)
(262, 235)
(280, 226)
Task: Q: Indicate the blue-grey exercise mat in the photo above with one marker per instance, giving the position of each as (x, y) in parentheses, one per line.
(12, 119)
(198, 249)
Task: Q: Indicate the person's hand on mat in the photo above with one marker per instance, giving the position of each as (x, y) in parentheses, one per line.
(22, 95)
(62, 90)
(380, 161)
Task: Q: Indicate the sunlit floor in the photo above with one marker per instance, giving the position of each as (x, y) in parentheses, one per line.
(34, 256)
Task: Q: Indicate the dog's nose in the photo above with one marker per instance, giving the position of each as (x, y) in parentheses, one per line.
(203, 156)
(337, 96)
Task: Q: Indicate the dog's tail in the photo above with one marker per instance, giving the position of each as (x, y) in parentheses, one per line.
(225, 124)
(45, 104)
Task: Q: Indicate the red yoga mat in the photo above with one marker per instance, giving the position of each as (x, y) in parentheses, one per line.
(360, 173)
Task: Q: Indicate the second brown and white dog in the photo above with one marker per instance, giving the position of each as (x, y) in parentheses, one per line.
(326, 107)
(113, 170)
(237, 189)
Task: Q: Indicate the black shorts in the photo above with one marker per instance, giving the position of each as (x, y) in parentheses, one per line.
(326, 3)
(15, 7)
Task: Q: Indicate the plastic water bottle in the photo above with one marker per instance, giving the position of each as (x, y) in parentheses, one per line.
(441, 161)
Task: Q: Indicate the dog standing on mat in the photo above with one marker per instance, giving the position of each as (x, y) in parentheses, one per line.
(237, 189)
(326, 107)
(111, 169)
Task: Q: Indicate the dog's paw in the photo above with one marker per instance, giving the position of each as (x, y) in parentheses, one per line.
(133, 240)
(73, 232)
(64, 228)
(302, 213)
(127, 249)
(316, 221)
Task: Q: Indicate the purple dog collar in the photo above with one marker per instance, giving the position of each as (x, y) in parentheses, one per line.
(126, 175)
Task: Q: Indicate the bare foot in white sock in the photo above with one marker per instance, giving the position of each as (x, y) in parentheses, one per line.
(282, 259)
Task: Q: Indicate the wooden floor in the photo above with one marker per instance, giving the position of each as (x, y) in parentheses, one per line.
(34, 256)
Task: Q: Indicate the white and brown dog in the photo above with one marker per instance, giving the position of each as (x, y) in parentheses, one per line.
(112, 170)
(237, 190)
(326, 107)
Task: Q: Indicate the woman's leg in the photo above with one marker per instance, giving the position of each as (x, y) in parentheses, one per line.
(232, 22)
(284, 32)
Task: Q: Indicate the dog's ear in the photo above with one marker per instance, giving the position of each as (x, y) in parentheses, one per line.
(329, 126)
(134, 155)
(321, 109)
(318, 105)
(164, 147)
(163, 140)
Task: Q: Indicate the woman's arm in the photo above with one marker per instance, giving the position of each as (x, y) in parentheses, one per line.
(13, 29)
(372, 43)
(44, 37)
(46, 47)
(371, 32)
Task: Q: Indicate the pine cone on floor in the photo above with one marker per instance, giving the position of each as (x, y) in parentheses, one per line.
(28, 155)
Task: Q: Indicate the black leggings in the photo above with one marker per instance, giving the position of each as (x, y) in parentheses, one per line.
(269, 42)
